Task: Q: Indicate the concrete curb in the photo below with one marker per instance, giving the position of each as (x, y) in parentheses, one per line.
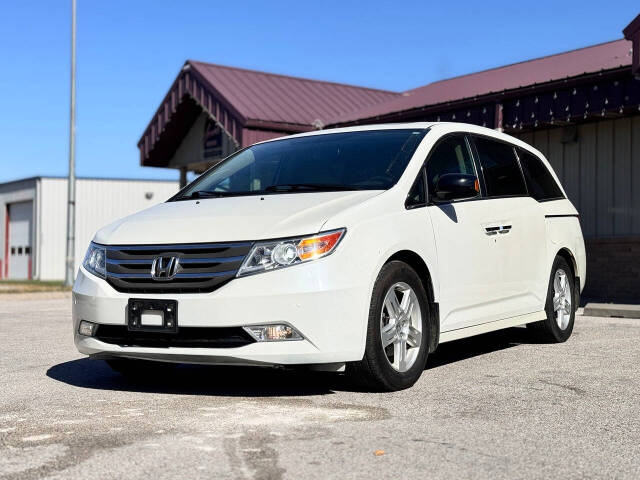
(611, 310)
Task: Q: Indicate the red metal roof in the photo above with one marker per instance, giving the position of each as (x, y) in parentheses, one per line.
(247, 100)
(592, 59)
(270, 97)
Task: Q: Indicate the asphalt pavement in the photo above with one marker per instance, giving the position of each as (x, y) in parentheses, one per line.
(495, 406)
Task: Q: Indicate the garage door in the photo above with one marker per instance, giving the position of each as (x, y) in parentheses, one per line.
(20, 224)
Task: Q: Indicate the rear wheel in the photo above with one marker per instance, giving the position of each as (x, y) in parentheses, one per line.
(560, 306)
(397, 334)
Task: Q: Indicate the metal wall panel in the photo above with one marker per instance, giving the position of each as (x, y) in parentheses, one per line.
(603, 189)
(622, 176)
(52, 236)
(541, 141)
(103, 201)
(635, 174)
(600, 171)
(571, 169)
(588, 164)
(555, 153)
(98, 203)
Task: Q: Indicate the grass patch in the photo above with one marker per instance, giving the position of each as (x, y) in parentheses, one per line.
(26, 286)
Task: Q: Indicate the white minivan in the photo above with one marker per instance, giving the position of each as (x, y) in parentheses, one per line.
(356, 249)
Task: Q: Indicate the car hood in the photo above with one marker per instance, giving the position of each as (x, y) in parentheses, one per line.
(231, 218)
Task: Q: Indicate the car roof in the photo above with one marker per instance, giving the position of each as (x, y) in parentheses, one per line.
(448, 126)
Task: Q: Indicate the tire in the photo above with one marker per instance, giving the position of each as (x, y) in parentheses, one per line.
(139, 369)
(558, 326)
(388, 369)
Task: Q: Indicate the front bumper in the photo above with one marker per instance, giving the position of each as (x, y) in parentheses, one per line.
(319, 299)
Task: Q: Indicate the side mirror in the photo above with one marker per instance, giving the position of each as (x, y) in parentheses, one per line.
(454, 186)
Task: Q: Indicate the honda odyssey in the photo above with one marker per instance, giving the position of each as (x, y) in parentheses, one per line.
(357, 249)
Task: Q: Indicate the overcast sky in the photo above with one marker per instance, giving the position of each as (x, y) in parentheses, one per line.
(129, 52)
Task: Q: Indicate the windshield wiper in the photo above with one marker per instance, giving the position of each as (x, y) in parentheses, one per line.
(203, 194)
(317, 187)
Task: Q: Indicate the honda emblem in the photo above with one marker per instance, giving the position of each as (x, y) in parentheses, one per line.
(164, 268)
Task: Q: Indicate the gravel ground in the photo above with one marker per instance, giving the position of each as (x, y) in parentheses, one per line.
(497, 406)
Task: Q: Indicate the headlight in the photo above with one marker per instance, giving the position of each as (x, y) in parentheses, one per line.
(95, 260)
(291, 251)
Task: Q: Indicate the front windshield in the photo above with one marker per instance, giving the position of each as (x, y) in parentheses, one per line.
(363, 160)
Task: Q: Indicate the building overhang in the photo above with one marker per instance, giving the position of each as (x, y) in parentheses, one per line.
(185, 101)
(632, 33)
(604, 94)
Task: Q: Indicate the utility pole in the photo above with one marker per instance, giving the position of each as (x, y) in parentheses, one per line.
(71, 206)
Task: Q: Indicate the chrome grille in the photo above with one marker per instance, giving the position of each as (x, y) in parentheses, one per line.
(203, 267)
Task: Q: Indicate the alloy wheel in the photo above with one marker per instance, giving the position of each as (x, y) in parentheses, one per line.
(401, 326)
(561, 299)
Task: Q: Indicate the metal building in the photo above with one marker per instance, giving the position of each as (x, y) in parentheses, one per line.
(33, 217)
(212, 110)
(580, 108)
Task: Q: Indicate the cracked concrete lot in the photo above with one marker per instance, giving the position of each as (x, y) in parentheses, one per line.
(497, 406)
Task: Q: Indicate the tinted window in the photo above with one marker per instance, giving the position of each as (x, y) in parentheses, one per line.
(502, 175)
(451, 155)
(417, 195)
(540, 182)
(365, 160)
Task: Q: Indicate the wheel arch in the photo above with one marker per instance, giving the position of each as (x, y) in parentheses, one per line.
(565, 253)
(568, 256)
(416, 262)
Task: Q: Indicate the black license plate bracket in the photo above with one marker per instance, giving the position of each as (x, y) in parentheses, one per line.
(164, 310)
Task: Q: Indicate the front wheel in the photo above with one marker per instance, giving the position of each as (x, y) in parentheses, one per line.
(560, 306)
(397, 334)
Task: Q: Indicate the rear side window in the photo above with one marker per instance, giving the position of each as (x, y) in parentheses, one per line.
(450, 155)
(502, 175)
(540, 182)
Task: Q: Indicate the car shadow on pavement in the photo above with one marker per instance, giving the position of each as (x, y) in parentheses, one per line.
(233, 381)
(260, 382)
(486, 343)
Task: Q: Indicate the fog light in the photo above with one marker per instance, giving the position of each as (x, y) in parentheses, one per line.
(273, 333)
(87, 329)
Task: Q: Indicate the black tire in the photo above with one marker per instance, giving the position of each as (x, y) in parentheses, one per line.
(548, 330)
(140, 369)
(374, 372)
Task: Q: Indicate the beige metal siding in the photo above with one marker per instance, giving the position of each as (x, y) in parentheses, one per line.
(98, 203)
(52, 234)
(600, 171)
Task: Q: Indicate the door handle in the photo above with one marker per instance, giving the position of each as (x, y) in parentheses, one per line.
(497, 229)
